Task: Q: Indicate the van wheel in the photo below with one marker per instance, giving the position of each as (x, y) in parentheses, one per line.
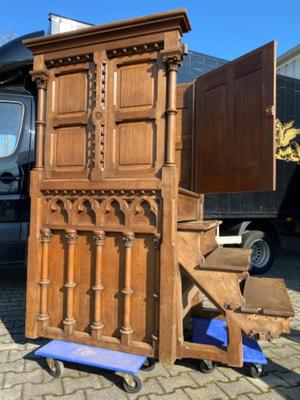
(263, 250)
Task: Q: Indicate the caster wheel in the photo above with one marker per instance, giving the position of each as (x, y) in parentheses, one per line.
(55, 367)
(256, 370)
(132, 384)
(149, 365)
(207, 366)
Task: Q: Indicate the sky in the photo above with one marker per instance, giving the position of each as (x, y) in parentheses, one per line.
(221, 28)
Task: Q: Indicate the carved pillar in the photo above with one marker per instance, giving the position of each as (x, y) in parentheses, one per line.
(172, 63)
(44, 281)
(40, 77)
(126, 330)
(69, 319)
(97, 325)
(157, 241)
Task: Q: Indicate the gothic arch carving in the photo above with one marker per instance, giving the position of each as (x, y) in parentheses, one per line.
(85, 211)
(59, 211)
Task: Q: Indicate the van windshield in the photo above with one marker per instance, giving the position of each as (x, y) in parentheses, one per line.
(11, 118)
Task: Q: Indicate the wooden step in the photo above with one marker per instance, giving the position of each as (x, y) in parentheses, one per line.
(197, 225)
(227, 259)
(267, 296)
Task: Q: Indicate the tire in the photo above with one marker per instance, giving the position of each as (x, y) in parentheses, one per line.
(263, 250)
(55, 367)
(135, 388)
(149, 365)
(256, 370)
(206, 366)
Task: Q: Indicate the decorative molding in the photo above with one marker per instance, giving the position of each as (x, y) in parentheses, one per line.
(120, 192)
(71, 236)
(172, 60)
(40, 77)
(129, 211)
(137, 49)
(71, 60)
(46, 235)
(102, 149)
(128, 239)
(103, 84)
(99, 237)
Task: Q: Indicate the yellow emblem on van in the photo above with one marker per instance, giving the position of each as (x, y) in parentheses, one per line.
(286, 147)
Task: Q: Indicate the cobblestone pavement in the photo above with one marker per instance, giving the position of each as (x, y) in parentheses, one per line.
(22, 376)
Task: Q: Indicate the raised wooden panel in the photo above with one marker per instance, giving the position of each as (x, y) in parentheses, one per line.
(235, 121)
(136, 87)
(184, 134)
(72, 90)
(57, 278)
(135, 144)
(113, 281)
(143, 285)
(71, 147)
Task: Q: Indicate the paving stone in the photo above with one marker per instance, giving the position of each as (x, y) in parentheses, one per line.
(31, 391)
(204, 379)
(13, 393)
(210, 392)
(78, 395)
(178, 368)
(292, 393)
(284, 352)
(112, 393)
(231, 373)
(291, 377)
(16, 355)
(241, 386)
(4, 354)
(159, 370)
(12, 367)
(178, 394)
(174, 382)
(271, 395)
(72, 384)
(13, 378)
(268, 381)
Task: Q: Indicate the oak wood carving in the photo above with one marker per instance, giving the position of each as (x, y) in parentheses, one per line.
(119, 253)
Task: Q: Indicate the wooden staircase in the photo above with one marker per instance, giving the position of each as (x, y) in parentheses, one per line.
(256, 307)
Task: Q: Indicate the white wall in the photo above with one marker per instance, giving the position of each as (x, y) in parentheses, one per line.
(290, 68)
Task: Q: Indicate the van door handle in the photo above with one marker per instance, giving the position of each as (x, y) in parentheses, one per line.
(8, 177)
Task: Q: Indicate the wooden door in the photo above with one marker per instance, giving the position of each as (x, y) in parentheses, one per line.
(234, 125)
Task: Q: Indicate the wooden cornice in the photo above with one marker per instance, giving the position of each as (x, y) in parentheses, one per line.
(155, 23)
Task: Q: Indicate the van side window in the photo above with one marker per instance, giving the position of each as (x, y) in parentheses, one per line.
(11, 119)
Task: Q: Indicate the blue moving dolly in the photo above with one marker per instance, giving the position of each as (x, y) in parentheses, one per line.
(127, 364)
(214, 332)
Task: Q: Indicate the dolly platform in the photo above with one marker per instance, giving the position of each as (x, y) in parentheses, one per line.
(214, 332)
(127, 364)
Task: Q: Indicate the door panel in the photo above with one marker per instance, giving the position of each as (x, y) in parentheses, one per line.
(234, 128)
(15, 122)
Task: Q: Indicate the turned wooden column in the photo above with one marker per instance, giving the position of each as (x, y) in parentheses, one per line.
(40, 77)
(44, 281)
(172, 63)
(157, 241)
(97, 325)
(126, 330)
(69, 320)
